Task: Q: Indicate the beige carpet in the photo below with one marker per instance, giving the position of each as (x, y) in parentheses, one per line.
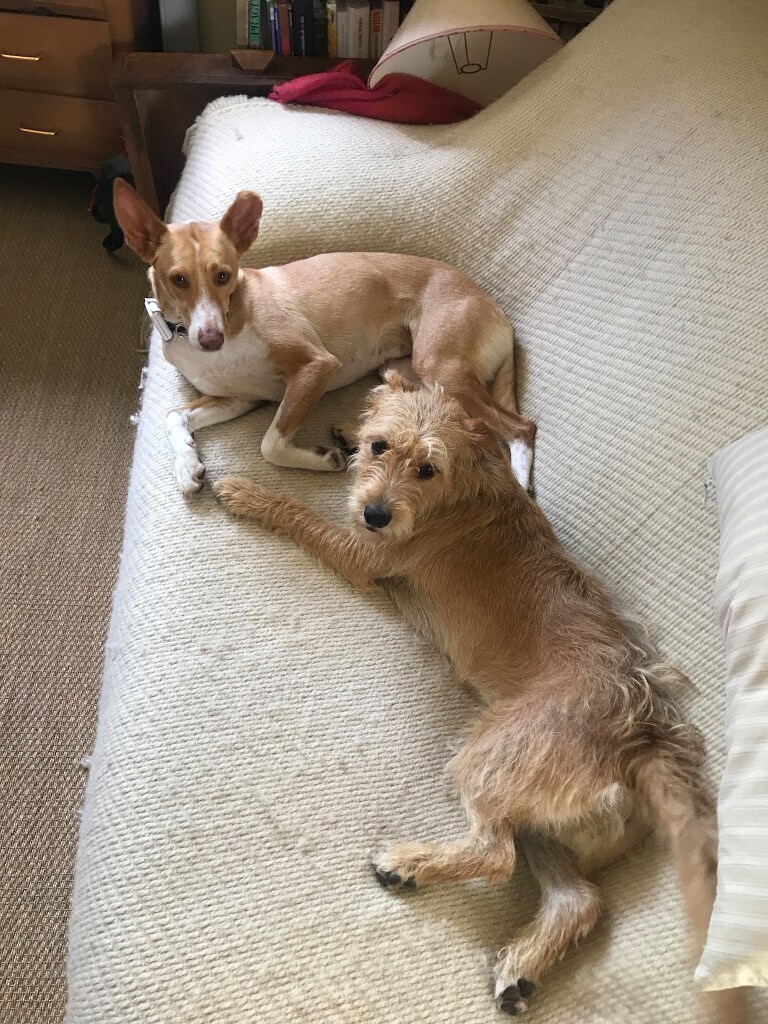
(69, 322)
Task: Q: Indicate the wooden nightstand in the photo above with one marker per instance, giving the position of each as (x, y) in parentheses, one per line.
(56, 105)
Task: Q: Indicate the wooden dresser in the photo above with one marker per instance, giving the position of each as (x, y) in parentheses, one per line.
(56, 105)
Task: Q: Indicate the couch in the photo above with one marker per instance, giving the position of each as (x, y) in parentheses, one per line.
(263, 728)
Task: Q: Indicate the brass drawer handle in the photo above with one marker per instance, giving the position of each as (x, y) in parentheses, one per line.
(21, 56)
(37, 131)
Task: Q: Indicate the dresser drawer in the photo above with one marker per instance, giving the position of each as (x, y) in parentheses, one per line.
(69, 8)
(57, 131)
(55, 55)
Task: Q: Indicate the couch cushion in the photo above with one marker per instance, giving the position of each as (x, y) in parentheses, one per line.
(737, 945)
(262, 727)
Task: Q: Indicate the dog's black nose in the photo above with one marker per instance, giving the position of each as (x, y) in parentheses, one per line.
(376, 516)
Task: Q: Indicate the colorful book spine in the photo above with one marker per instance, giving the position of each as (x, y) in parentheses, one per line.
(390, 17)
(377, 25)
(254, 23)
(359, 29)
(285, 24)
(274, 25)
(332, 28)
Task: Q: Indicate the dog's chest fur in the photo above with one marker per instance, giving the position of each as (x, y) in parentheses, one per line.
(240, 369)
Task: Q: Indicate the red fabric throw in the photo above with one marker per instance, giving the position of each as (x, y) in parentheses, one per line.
(401, 98)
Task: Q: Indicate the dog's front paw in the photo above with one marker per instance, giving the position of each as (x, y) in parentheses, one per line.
(189, 472)
(334, 459)
(242, 497)
(391, 879)
(513, 999)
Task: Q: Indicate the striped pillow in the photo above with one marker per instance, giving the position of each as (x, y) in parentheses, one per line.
(736, 952)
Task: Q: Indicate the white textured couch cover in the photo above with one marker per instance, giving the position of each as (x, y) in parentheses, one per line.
(263, 728)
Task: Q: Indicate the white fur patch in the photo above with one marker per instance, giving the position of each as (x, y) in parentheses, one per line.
(521, 460)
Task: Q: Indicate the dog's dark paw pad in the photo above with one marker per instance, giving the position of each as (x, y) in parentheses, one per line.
(391, 879)
(514, 999)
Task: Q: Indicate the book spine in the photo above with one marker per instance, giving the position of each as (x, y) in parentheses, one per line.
(377, 25)
(390, 17)
(254, 23)
(332, 28)
(242, 22)
(285, 22)
(319, 29)
(342, 30)
(359, 29)
(274, 26)
(302, 29)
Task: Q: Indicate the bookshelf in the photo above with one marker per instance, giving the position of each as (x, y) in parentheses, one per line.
(160, 94)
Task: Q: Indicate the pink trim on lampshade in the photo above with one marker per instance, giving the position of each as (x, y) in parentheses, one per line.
(458, 31)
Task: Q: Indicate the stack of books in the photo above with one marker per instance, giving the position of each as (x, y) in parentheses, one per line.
(321, 28)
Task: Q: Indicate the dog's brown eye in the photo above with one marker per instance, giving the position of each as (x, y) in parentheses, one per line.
(426, 471)
(379, 447)
(179, 280)
(223, 276)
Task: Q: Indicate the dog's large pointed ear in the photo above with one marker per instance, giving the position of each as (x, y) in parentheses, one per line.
(483, 439)
(241, 221)
(143, 229)
(395, 381)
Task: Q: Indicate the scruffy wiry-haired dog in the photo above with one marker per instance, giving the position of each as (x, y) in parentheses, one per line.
(580, 745)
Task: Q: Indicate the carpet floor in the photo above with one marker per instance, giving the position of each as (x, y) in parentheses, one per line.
(69, 369)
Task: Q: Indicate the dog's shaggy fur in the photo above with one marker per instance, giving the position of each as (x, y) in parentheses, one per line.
(579, 747)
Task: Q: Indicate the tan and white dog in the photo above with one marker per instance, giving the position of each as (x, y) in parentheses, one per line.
(290, 333)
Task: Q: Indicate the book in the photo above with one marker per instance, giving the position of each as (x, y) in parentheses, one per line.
(303, 33)
(319, 29)
(390, 22)
(377, 26)
(332, 28)
(274, 25)
(285, 26)
(342, 27)
(255, 27)
(242, 23)
(359, 28)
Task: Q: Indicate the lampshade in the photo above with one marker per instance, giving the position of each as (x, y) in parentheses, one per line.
(478, 48)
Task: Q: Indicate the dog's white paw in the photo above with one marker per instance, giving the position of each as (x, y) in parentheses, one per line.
(189, 472)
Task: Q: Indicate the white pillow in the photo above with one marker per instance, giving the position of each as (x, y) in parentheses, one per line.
(736, 952)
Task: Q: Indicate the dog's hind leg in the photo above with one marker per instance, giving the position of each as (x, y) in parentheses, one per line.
(521, 435)
(482, 853)
(569, 910)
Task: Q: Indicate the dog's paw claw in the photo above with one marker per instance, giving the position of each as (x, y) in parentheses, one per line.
(190, 473)
(513, 1000)
(391, 879)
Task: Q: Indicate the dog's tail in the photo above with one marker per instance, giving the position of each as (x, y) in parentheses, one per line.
(674, 799)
